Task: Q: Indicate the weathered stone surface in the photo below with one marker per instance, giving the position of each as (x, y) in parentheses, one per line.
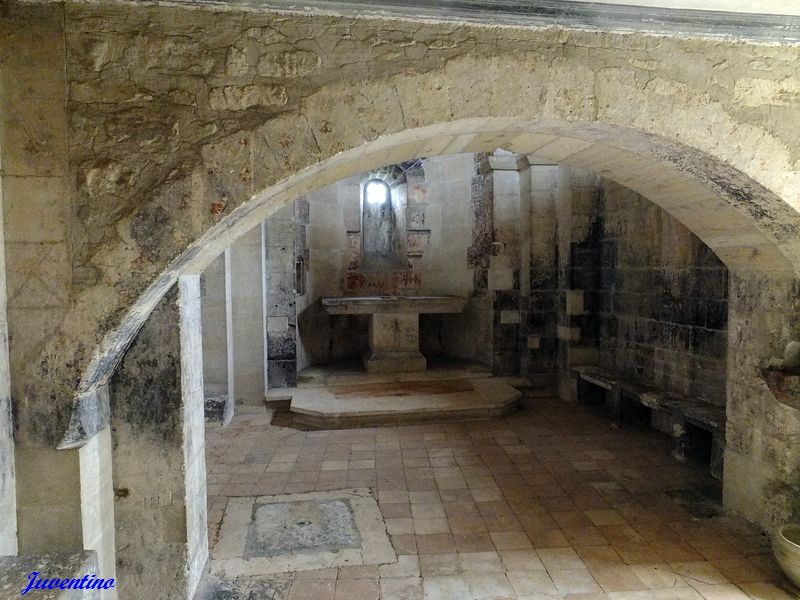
(15, 571)
(705, 129)
(158, 456)
(662, 299)
(291, 527)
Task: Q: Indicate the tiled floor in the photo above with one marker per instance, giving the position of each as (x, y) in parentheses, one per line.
(550, 502)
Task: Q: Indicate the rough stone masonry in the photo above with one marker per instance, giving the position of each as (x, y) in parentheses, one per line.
(131, 134)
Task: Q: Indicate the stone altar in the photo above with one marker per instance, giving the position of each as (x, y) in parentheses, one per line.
(394, 327)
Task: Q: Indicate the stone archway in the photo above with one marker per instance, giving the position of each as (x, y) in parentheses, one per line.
(732, 214)
(750, 228)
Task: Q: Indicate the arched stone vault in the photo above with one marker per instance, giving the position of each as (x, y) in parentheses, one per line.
(749, 228)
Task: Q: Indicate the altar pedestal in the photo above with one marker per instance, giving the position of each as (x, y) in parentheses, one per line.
(394, 327)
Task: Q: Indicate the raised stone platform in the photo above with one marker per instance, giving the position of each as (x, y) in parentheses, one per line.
(369, 402)
(351, 373)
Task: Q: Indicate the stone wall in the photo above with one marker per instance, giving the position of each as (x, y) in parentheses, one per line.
(217, 327)
(638, 292)
(283, 233)
(661, 298)
(577, 192)
(249, 308)
(541, 344)
(762, 461)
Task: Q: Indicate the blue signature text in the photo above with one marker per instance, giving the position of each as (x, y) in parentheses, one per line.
(88, 582)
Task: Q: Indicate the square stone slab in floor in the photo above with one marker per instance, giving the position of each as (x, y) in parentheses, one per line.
(243, 588)
(300, 532)
(285, 527)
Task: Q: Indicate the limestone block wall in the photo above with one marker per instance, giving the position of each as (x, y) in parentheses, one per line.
(762, 456)
(577, 192)
(511, 255)
(541, 344)
(459, 203)
(38, 271)
(283, 232)
(249, 312)
(8, 485)
(638, 292)
(661, 298)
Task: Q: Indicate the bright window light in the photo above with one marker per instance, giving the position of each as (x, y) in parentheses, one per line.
(377, 192)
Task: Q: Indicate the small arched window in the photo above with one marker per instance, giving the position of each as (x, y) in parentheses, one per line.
(381, 240)
(376, 192)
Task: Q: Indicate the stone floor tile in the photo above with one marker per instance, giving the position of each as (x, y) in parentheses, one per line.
(438, 565)
(617, 578)
(334, 465)
(393, 496)
(424, 497)
(721, 591)
(632, 595)
(529, 583)
(480, 562)
(658, 576)
(399, 526)
(560, 559)
(699, 572)
(427, 510)
(317, 574)
(602, 517)
(521, 560)
(570, 518)
(511, 540)
(739, 570)
(358, 572)
(680, 593)
(449, 587)
(474, 542)
(401, 588)
(489, 586)
(407, 565)
(547, 538)
(312, 589)
(768, 591)
(404, 543)
(435, 543)
(428, 526)
(574, 581)
(361, 589)
(474, 524)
